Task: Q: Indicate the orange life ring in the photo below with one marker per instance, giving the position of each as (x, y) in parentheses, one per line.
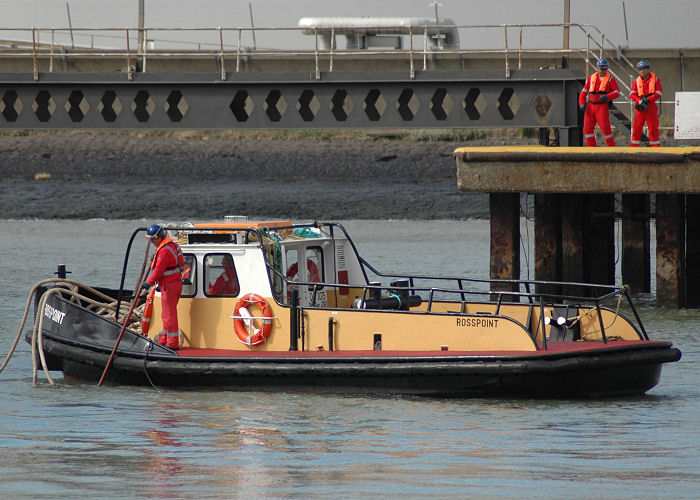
(310, 266)
(147, 313)
(243, 321)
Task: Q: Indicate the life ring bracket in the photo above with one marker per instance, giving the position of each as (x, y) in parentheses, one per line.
(252, 317)
(243, 324)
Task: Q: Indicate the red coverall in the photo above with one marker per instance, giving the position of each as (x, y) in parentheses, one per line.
(226, 284)
(166, 270)
(651, 89)
(597, 111)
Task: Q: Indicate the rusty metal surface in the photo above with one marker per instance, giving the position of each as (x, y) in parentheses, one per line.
(578, 170)
(547, 241)
(670, 251)
(505, 240)
(572, 224)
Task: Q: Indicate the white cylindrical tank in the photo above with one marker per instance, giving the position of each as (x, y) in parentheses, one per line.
(441, 33)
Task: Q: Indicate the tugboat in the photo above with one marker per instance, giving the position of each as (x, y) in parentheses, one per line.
(308, 313)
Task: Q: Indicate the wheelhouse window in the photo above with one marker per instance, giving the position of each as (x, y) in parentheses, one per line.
(309, 268)
(220, 276)
(314, 263)
(189, 276)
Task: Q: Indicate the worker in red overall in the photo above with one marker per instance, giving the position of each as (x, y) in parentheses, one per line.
(596, 98)
(645, 91)
(166, 271)
(227, 282)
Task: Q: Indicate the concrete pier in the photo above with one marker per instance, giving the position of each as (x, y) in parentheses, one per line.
(575, 191)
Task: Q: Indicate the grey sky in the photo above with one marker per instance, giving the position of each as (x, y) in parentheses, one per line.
(650, 23)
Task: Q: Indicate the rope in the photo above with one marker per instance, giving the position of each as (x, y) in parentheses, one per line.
(22, 323)
(396, 296)
(67, 289)
(145, 368)
(273, 254)
(306, 232)
(577, 319)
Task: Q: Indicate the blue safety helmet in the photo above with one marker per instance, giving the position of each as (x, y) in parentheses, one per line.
(154, 231)
(643, 64)
(602, 63)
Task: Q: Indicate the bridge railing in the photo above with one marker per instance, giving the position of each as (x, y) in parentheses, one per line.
(135, 46)
(231, 47)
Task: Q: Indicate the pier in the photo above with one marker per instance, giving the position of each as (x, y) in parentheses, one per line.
(575, 192)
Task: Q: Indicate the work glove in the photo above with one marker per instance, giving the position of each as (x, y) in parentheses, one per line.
(603, 98)
(144, 285)
(641, 107)
(582, 107)
(645, 100)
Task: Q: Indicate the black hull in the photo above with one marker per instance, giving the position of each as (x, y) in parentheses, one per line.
(600, 374)
(81, 345)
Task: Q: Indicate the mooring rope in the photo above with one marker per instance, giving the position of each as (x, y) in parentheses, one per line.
(70, 289)
(577, 319)
(24, 320)
(65, 288)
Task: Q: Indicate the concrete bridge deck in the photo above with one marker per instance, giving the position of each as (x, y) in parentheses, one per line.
(536, 169)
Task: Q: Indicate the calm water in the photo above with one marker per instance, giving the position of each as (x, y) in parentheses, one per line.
(76, 439)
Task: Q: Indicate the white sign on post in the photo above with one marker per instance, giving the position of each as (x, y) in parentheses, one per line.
(687, 115)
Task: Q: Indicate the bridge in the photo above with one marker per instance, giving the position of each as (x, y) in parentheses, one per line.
(147, 84)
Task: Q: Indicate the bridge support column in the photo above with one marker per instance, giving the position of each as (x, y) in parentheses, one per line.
(574, 240)
(692, 257)
(599, 239)
(547, 241)
(505, 240)
(572, 136)
(572, 228)
(636, 268)
(670, 250)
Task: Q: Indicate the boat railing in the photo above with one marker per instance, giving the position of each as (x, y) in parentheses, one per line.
(437, 293)
(593, 289)
(432, 289)
(409, 295)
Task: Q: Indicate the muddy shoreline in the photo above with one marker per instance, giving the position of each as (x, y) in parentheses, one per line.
(206, 176)
(122, 176)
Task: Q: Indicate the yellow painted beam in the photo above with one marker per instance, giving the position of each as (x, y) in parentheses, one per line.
(540, 169)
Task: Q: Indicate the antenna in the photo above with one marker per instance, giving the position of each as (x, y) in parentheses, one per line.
(624, 16)
(141, 41)
(436, 4)
(250, 9)
(70, 26)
